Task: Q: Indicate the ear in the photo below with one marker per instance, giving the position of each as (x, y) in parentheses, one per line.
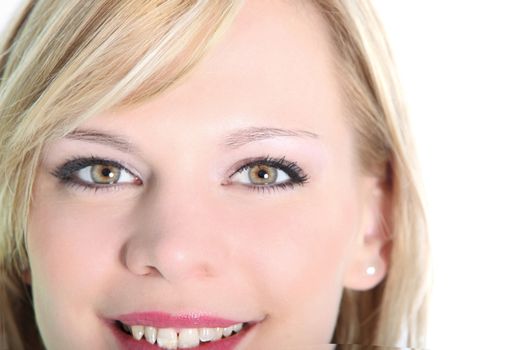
(369, 262)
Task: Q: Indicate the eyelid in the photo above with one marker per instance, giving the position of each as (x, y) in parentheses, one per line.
(252, 161)
(239, 165)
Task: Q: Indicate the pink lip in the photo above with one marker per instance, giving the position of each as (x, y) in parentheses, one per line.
(164, 320)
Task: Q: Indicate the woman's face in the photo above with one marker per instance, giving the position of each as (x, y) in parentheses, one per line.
(233, 198)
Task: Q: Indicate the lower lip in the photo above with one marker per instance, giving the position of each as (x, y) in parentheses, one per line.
(127, 342)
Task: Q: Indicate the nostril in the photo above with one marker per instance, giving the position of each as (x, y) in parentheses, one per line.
(137, 261)
(151, 271)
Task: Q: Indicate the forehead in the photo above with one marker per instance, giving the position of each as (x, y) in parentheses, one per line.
(275, 57)
(273, 67)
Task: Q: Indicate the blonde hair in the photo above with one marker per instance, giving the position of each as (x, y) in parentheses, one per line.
(66, 61)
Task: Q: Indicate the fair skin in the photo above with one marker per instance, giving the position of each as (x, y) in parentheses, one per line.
(179, 235)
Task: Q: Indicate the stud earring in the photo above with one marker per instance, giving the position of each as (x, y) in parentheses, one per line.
(371, 270)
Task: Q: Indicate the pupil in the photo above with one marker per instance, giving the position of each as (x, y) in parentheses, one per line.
(262, 174)
(107, 172)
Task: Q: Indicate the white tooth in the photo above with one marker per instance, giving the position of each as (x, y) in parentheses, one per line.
(151, 334)
(237, 327)
(137, 331)
(209, 334)
(167, 338)
(217, 333)
(206, 334)
(227, 331)
(188, 338)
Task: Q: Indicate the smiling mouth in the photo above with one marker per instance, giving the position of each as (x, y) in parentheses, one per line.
(181, 338)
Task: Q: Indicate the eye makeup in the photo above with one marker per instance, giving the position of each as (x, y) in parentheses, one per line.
(74, 172)
(296, 174)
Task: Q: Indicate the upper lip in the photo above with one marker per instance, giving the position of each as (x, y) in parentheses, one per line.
(159, 319)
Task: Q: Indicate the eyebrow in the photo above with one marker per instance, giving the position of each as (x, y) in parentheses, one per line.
(118, 142)
(233, 140)
(244, 136)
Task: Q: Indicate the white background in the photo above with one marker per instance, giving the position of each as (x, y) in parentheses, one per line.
(462, 67)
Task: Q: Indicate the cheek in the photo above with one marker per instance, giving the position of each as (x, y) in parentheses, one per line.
(299, 248)
(70, 248)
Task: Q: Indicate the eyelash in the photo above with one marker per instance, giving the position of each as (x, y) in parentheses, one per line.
(296, 174)
(65, 173)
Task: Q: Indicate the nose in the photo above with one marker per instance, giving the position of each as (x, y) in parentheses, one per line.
(176, 235)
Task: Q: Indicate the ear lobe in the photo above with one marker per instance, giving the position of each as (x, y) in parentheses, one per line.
(369, 265)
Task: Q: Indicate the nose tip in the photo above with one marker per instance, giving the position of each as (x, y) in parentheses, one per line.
(171, 257)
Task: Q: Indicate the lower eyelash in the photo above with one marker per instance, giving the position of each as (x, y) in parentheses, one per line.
(94, 189)
(268, 188)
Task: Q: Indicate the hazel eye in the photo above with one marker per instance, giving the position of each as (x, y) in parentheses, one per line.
(267, 173)
(95, 173)
(104, 174)
(261, 174)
